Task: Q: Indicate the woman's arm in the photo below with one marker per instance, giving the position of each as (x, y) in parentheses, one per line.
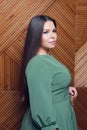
(39, 86)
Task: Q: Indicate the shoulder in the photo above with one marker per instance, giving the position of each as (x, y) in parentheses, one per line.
(35, 64)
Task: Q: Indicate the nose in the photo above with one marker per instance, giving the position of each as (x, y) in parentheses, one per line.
(53, 35)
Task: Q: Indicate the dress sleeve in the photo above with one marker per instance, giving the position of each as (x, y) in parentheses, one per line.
(39, 86)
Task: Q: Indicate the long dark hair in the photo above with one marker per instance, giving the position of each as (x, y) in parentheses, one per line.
(32, 44)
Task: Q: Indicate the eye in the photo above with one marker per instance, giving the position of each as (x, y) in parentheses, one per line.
(54, 30)
(45, 32)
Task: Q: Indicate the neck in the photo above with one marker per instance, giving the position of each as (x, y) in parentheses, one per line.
(42, 51)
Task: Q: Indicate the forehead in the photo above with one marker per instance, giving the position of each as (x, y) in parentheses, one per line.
(48, 25)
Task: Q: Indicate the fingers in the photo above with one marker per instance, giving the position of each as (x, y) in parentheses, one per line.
(73, 92)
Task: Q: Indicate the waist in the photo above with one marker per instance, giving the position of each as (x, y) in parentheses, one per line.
(61, 96)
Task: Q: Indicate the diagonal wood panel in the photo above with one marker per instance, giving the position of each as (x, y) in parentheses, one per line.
(81, 23)
(11, 106)
(16, 49)
(81, 66)
(17, 20)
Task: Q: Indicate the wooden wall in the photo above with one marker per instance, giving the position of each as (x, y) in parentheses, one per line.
(81, 43)
(80, 77)
(14, 19)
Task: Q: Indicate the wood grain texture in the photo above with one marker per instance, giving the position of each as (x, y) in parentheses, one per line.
(80, 77)
(81, 23)
(71, 18)
(15, 17)
(11, 109)
(80, 105)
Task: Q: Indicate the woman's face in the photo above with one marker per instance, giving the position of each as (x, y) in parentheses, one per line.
(49, 36)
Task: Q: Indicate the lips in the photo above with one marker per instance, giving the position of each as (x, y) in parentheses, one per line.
(52, 42)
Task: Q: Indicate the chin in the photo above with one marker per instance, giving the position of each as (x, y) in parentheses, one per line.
(52, 47)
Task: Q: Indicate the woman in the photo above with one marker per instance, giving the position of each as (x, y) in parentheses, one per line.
(47, 80)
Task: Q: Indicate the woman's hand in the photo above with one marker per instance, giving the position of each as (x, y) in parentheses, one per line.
(73, 92)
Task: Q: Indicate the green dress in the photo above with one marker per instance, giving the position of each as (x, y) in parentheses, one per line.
(50, 106)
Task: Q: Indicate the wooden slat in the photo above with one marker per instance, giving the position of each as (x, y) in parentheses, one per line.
(81, 2)
(15, 74)
(2, 72)
(7, 73)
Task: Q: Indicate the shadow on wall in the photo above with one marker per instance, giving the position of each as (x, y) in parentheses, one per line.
(80, 106)
(2, 127)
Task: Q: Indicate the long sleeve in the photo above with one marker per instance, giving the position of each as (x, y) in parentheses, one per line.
(39, 86)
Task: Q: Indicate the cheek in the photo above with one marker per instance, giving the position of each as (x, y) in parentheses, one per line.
(45, 37)
(44, 40)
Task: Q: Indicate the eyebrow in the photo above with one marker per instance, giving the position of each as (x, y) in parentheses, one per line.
(49, 29)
